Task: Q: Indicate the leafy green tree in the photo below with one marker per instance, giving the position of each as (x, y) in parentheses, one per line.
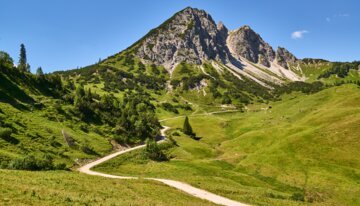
(39, 72)
(187, 129)
(6, 60)
(23, 65)
(153, 151)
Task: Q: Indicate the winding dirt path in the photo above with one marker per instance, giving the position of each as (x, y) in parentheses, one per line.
(193, 191)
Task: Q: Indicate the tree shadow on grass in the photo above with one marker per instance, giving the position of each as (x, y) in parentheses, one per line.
(11, 140)
(196, 138)
(10, 93)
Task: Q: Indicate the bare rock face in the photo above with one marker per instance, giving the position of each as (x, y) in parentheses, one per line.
(191, 35)
(248, 44)
(284, 57)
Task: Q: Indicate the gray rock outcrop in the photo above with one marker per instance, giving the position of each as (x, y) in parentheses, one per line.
(284, 57)
(248, 44)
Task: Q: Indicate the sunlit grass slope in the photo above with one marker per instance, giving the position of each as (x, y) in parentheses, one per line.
(296, 151)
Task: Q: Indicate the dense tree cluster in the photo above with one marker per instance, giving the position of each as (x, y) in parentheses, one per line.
(138, 120)
(133, 118)
(303, 87)
(340, 69)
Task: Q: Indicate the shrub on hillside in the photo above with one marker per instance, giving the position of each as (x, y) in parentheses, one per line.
(153, 151)
(298, 197)
(32, 163)
(169, 107)
(5, 133)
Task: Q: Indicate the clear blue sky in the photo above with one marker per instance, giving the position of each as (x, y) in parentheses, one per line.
(63, 34)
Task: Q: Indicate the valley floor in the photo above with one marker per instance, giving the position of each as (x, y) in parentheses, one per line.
(298, 151)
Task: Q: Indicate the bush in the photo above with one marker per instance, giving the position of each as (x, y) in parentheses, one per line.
(87, 149)
(298, 196)
(169, 107)
(153, 152)
(5, 133)
(32, 163)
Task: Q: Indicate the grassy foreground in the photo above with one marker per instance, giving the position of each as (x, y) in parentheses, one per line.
(301, 150)
(69, 188)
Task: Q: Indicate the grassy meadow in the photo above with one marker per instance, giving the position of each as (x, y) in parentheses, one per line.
(292, 152)
(72, 188)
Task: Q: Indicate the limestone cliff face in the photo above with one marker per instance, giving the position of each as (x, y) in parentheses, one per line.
(284, 57)
(191, 35)
(248, 44)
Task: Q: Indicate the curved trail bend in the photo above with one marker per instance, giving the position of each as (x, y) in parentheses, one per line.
(193, 191)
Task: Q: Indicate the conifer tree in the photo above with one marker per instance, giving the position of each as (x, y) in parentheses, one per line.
(23, 65)
(39, 72)
(187, 129)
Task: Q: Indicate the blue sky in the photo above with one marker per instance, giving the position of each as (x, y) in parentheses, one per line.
(63, 34)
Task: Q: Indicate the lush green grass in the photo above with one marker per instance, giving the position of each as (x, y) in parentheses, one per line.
(69, 188)
(40, 132)
(303, 146)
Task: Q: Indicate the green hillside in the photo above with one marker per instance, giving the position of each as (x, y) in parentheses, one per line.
(291, 152)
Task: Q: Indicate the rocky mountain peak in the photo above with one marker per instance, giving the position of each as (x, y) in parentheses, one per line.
(284, 57)
(246, 43)
(191, 35)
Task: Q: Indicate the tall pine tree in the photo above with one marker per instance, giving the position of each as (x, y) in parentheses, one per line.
(187, 129)
(23, 65)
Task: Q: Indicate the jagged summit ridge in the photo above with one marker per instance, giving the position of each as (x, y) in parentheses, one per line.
(248, 44)
(192, 36)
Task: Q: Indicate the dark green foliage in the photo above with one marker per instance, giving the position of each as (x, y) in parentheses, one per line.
(175, 83)
(5, 134)
(154, 69)
(314, 61)
(184, 68)
(87, 149)
(187, 129)
(213, 88)
(39, 72)
(298, 197)
(226, 99)
(6, 60)
(169, 107)
(32, 163)
(137, 118)
(153, 151)
(340, 69)
(119, 80)
(141, 67)
(307, 88)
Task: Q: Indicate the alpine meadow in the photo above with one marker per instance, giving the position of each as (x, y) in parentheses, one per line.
(193, 113)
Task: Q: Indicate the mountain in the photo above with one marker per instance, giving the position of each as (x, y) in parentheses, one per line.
(192, 36)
